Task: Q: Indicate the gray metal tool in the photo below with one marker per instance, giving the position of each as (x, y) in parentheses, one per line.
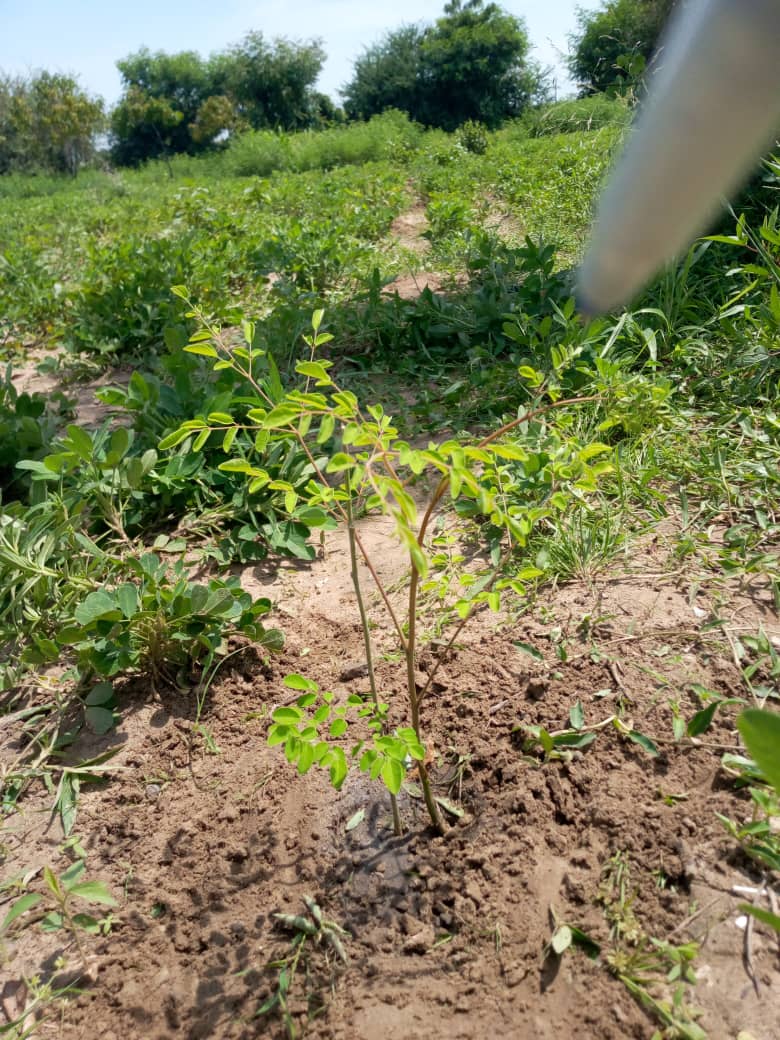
(713, 105)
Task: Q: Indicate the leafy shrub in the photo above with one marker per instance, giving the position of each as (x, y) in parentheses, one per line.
(160, 622)
(473, 137)
(27, 425)
(577, 115)
(388, 136)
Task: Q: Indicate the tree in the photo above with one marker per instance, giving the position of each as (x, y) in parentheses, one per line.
(471, 64)
(184, 103)
(144, 127)
(475, 66)
(162, 96)
(386, 76)
(271, 84)
(47, 122)
(614, 44)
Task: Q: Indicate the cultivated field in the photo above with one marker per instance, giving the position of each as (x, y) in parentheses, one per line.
(375, 629)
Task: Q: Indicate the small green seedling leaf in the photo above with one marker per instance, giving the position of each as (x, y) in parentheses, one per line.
(93, 892)
(299, 682)
(702, 720)
(392, 775)
(100, 720)
(21, 906)
(644, 742)
(760, 730)
(71, 876)
(577, 716)
(526, 648)
(288, 716)
(582, 940)
(52, 922)
(762, 915)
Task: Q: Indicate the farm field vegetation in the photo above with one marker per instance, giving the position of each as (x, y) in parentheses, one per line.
(375, 630)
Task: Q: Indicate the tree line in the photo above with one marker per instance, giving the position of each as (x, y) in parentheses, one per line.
(472, 63)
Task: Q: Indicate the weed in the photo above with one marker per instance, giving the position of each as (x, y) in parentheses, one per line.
(655, 972)
(61, 915)
(311, 932)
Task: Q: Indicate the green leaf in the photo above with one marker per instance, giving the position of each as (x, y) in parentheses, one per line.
(762, 915)
(338, 728)
(584, 942)
(52, 883)
(702, 720)
(281, 415)
(96, 605)
(101, 693)
(203, 349)
(577, 716)
(287, 716)
(547, 742)
(100, 720)
(81, 441)
(173, 439)
(278, 735)
(299, 682)
(21, 906)
(393, 774)
(574, 739)
(86, 923)
(644, 742)
(326, 428)
(94, 891)
(526, 648)
(760, 730)
(305, 758)
(127, 598)
(339, 462)
(52, 922)
(314, 370)
(75, 871)
(200, 440)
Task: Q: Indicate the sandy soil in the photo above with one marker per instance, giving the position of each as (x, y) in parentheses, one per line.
(447, 935)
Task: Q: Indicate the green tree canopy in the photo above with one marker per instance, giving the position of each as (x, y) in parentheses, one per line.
(270, 83)
(472, 63)
(184, 103)
(614, 44)
(47, 122)
(387, 75)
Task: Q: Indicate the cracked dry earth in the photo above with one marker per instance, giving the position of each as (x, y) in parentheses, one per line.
(446, 935)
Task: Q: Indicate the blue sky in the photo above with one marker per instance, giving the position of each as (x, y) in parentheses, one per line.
(88, 36)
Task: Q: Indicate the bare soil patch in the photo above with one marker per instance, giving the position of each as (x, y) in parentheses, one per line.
(447, 934)
(88, 410)
(409, 227)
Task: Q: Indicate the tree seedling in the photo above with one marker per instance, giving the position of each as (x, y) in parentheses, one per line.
(358, 462)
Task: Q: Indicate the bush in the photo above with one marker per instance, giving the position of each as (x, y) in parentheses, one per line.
(383, 137)
(473, 137)
(576, 115)
(27, 426)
